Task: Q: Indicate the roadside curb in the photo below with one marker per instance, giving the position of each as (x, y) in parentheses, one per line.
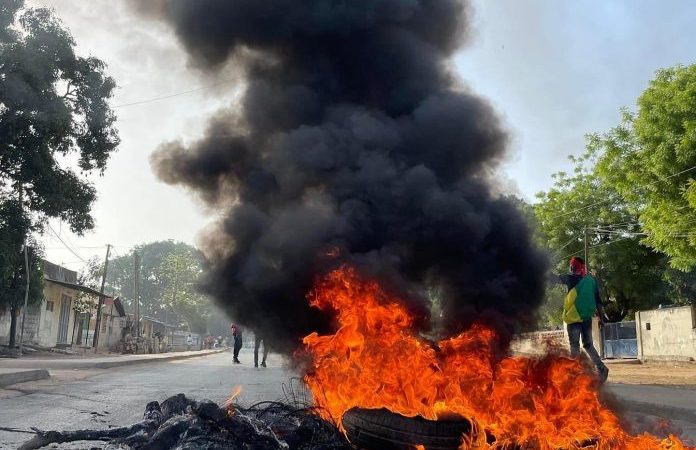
(14, 376)
(131, 362)
(100, 362)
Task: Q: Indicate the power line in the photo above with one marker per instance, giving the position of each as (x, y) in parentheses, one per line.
(580, 209)
(63, 242)
(615, 228)
(596, 245)
(174, 94)
(573, 239)
(607, 199)
(625, 235)
(88, 247)
(620, 224)
(638, 233)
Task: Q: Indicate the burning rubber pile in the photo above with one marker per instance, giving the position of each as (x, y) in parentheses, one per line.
(375, 361)
(184, 424)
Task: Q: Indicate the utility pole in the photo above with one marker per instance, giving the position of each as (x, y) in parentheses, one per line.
(26, 296)
(136, 291)
(95, 341)
(587, 263)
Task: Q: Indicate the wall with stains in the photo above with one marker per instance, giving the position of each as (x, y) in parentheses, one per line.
(668, 333)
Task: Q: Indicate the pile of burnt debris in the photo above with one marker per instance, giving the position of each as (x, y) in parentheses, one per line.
(184, 424)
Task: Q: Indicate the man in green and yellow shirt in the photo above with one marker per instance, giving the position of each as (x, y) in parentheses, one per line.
(581, 303)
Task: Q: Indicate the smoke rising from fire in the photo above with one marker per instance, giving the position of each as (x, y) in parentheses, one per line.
(353, 143)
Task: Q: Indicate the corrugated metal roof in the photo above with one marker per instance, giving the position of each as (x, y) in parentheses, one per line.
(55, 272)
(75, 286)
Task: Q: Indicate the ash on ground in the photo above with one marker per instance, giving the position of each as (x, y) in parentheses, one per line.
(184, 424)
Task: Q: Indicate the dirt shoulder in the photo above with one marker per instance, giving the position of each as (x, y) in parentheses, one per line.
(682, 374)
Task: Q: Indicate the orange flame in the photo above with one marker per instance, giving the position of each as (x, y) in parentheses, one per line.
(233, 395)
(374, 360)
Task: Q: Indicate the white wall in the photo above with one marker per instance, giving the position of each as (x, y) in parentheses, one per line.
(672, 333)
(48, 330)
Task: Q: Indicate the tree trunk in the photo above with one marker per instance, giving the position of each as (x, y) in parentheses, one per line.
(14, 312)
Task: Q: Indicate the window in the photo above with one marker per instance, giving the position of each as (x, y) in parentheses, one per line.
(49, 305)
(647, 325)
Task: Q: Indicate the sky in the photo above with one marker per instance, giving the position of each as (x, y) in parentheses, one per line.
(554, 71)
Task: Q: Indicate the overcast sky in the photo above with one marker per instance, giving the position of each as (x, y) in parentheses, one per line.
(554, 70)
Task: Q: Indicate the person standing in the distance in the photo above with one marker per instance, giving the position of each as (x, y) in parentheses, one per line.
(237, 335)
(189, 342)
(580, 305)
(257, 343)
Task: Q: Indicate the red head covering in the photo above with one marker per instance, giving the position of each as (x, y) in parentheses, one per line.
(577, 266)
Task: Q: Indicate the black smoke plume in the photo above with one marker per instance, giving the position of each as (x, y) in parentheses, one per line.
(352, 138)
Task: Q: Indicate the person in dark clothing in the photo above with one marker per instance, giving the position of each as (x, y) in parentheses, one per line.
(237, 335)
(581, 303)
(257, 343)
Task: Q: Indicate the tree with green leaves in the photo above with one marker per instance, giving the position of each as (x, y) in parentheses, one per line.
(169, 275)
(179, 275)
(120, 276)
(582, 205)
(650, 159)
(53, 107)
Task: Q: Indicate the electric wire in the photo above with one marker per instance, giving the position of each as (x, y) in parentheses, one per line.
(172, 95)
(63, 242)
(573, 239)
(608, 199)
(595, 246)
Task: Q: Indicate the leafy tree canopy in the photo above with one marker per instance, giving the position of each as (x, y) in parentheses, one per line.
(650, 159)
(169, 276)
(53, 108)
(630, 273)
(53, 104)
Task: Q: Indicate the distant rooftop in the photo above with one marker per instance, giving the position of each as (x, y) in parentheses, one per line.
(54, 272)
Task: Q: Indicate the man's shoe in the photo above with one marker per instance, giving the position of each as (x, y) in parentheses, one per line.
(236, 361)
(256, 365)
(603, 374)
(263, 363)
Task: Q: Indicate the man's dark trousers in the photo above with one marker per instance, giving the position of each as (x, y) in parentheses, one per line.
(237, 347)
(257, 344)
(583, 329)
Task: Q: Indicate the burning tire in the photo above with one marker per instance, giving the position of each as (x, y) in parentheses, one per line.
(378, 429)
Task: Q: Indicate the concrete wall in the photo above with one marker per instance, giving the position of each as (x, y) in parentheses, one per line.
(50, 320)
(111, 329)
(178, 343)
(41, 324)
(31, 325)
(668, 334)
(542, 342)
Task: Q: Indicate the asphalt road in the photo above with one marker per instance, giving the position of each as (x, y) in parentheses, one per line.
(98, 398)
(78, 399)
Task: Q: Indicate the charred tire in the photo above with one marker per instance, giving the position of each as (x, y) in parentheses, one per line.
(380, 429)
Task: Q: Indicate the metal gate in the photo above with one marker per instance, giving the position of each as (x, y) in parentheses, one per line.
(620, 340)
(64, 319)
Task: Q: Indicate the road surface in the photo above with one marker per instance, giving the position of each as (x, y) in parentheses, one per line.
(75, 399)
(97, 398)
